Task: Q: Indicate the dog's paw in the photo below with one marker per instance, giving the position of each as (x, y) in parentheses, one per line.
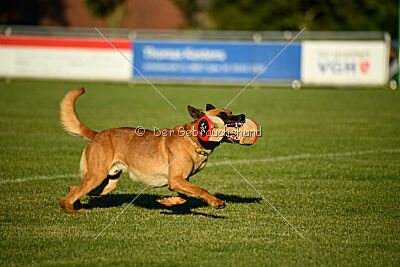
(68, 208)
(171, 201)
(218, 204)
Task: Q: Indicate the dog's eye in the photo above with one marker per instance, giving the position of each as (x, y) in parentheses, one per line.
(222, 115)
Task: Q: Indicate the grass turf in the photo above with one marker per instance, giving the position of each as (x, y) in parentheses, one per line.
(346, 205)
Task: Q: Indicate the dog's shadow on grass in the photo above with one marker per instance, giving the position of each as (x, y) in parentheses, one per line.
(150, 202)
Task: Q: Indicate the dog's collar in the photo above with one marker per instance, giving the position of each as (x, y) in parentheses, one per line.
(199, 150)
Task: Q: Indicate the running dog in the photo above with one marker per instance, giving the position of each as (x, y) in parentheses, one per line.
(172, 157)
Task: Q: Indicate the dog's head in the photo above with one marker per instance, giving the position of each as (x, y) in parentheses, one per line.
(231, 121)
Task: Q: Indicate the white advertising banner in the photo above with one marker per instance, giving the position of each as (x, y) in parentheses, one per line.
(64, 58)
(344, 63)
(66, 63)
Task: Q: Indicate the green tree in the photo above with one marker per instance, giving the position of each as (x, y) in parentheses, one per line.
(323, 15)
(113, 11)
(195, 13)
(189, 9)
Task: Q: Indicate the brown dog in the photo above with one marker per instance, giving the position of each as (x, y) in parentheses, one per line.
(144, 154)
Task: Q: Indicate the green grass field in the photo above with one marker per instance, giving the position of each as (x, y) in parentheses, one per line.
(331, 166)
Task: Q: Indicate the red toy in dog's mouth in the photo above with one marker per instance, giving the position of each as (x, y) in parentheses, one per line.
(242, 133)
(213, 129)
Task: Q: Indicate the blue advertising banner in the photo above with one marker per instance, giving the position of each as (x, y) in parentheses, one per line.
(224, 61)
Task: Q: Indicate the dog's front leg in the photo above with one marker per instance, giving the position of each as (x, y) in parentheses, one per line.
(177, 183)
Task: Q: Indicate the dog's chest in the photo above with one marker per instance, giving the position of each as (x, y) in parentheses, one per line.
(199, 164)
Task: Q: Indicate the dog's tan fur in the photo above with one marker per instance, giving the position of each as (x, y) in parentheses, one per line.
(122, 149)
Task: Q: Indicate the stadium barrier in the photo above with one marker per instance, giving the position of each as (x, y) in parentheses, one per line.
(340, 59)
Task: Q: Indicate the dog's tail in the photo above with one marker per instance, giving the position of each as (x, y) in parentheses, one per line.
(70, 120)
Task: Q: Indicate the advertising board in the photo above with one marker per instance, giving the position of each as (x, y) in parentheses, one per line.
(215, 61)
(344, 63)
(64, 58)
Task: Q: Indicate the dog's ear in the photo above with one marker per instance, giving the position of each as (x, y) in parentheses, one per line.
(195, 113)
(209, 107)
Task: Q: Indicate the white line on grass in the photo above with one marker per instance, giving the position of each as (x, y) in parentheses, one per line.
(304, 156)
(37, 178)
(220, 163)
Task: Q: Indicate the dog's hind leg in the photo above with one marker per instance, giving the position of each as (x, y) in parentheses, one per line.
(108, 185)
(89, 182)
(94, 174)
(77, 205)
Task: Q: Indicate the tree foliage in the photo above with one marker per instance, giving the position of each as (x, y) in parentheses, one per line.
(189, 9)
(112, 11)
(32, 12)
(380, 15)
(103, 8)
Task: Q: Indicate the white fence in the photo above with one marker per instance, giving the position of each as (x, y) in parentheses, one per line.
(339, 59)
